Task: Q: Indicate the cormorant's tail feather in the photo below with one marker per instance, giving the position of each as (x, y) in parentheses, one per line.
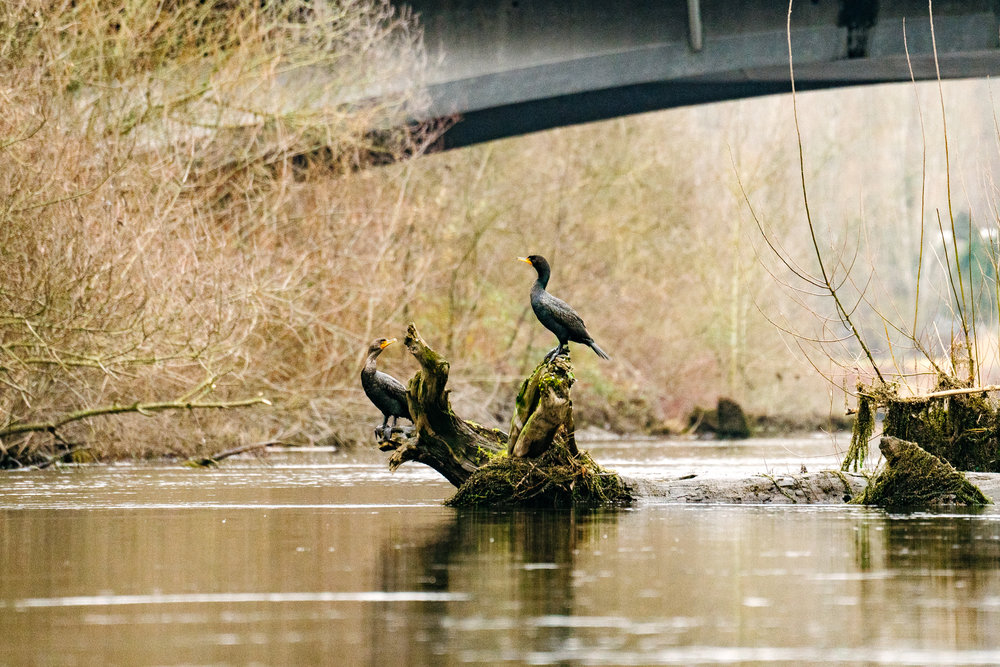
(598, 350)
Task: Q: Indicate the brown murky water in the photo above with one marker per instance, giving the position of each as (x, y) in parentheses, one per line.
(325, 559)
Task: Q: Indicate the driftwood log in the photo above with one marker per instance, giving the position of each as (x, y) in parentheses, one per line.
(909, 478)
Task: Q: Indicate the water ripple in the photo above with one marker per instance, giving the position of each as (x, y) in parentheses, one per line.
(231, 598)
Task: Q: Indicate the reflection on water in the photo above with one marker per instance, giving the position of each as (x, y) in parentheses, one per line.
(337, 562)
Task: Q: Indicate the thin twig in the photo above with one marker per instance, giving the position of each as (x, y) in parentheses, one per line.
(923, 181)
(844, 315)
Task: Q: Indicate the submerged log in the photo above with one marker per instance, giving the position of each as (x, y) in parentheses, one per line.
(828, 487)
(540, 465)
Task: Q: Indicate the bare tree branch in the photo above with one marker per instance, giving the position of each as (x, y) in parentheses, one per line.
(141, 408)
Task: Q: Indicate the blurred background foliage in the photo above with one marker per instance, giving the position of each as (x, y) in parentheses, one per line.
(188, 207)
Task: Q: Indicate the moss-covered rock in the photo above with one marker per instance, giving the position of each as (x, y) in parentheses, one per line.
(912, 477)
(732, 420)
(557, 478)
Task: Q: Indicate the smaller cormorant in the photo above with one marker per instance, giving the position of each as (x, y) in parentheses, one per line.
(555, 314)
(386, 392)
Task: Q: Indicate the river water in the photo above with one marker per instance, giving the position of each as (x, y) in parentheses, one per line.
(324, 558)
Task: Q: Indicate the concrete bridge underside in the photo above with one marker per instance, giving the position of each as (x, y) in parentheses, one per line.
(508, 67)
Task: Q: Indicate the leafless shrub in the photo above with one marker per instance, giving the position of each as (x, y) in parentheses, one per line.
(158, 240)
(916, 322)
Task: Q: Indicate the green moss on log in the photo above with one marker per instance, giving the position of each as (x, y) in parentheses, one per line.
(543, 410)
(962, 429)
(912, 477)
(956, 423)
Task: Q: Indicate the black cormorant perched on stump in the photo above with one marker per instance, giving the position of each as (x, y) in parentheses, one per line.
(555, 314)
(386, 392)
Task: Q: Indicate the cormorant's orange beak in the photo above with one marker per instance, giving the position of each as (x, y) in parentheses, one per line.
(386, 343)
(524, 259)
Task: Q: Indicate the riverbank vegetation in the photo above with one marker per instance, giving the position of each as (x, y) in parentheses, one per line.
(188, 217)
(171, 237)
(916, 322)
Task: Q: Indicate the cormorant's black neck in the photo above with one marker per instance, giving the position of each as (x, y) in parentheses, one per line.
(369, 367)
(542, 268)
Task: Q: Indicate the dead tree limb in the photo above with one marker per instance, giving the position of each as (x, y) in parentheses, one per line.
(209, 461)
(946, 393)
(54, 425)
(440, 439)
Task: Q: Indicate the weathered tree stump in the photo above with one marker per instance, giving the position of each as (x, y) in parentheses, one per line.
(543, 410)
(538, 465)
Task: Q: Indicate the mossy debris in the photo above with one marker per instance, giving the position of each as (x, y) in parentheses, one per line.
(912, 477)
(956, 423)
(557, 478)
(964, 430)
(864, 425)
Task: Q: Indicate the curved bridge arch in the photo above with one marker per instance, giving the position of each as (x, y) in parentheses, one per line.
(509, 67)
